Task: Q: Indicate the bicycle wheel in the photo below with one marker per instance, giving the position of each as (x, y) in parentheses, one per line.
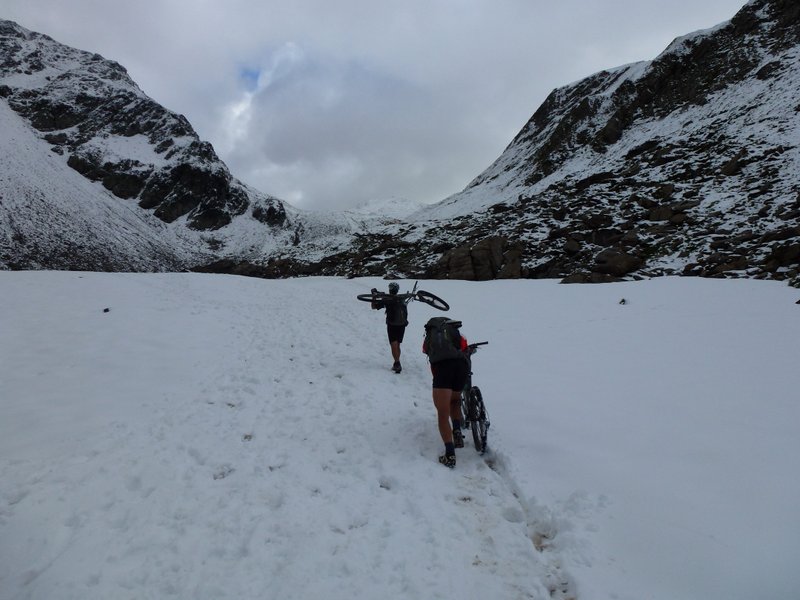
(465, 408)
(376, 297)
(478, 421)
(432, 300)
(383, 296)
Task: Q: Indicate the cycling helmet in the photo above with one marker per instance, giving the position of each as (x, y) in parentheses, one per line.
(394, 287)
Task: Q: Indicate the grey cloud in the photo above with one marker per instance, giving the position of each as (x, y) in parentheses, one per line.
(312, 121)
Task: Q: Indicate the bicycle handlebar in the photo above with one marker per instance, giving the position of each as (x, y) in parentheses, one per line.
(377, 295)
(472, 348)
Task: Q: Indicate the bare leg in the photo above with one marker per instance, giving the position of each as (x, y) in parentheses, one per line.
(395, 351)
(441, 400)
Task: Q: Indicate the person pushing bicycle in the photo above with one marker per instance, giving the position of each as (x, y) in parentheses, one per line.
(445, 347)
(396, 319)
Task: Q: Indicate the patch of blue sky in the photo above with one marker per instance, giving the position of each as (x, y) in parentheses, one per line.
(250, 78)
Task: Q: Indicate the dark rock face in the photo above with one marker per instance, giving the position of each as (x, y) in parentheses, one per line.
(616, 262)
(274, 214)
(490, 258)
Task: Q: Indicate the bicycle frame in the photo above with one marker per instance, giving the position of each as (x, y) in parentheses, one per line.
(471, 349)
(473, 409)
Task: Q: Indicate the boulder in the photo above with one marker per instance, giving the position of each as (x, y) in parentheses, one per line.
(616, 262)
(572, 246)
(734, 165)
(486, 259)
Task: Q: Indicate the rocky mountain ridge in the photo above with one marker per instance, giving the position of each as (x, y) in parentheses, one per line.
(686, 164)
(80, 118)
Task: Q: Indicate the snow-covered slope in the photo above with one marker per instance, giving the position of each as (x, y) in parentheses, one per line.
(389, 208)
(52, 216)
(226, 437)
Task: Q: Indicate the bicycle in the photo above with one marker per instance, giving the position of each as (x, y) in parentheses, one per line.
(474, 410)
(414, 294)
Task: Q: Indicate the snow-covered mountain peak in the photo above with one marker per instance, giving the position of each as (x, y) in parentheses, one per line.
(393, 207)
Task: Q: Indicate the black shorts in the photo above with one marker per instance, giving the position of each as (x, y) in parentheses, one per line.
(450, 374)
(396, 333)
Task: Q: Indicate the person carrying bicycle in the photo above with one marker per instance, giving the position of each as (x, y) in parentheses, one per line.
(396, 320)
(446, 347)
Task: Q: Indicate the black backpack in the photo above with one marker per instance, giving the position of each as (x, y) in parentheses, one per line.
(442, 339)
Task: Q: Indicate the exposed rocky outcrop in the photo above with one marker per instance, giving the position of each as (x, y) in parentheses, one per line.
(490, 258)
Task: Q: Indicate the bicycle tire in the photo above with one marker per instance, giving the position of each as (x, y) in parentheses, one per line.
(376, 297)
(380, 296)
(478, 419)
(465, 408)
(431, 300)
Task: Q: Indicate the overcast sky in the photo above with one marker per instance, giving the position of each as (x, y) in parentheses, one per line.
(327, 104)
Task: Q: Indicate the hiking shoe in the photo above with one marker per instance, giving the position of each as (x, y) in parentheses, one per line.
(458, 438)
(396, 367)
(448, 460)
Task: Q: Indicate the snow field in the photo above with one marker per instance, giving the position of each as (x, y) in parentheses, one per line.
(224, 437)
